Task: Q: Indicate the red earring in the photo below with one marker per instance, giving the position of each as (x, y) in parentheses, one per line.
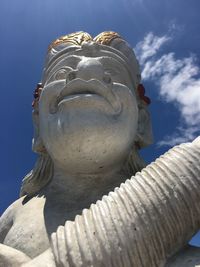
(141, 93)
(36, 94)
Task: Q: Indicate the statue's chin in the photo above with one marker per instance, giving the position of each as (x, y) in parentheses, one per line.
(88, 142)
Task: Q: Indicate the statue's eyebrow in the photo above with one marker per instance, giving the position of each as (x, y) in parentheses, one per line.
(71, 61)
(60, 63)
(104, 60)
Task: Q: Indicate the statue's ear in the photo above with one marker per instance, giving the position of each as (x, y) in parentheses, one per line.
(37, 143)
(144, 132)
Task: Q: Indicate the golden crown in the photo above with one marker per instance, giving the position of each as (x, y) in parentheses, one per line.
(78, 38)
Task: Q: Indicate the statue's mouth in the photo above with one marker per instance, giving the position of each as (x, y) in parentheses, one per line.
(80, 88)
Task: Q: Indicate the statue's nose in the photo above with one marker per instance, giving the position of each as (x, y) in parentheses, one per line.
(87, 69)
(90, 68)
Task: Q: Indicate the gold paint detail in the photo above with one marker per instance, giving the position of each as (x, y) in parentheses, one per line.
(78, 38)
(106, 38)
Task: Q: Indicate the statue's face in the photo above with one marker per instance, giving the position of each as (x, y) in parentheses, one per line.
(88, 113)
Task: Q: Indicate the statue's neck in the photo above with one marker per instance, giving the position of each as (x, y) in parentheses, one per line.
(82, 189)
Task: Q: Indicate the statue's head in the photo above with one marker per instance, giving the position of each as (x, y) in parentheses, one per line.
(90, 111)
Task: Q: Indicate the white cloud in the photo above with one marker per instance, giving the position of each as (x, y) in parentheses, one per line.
(149, 46)
(181, 135)
(177, 80)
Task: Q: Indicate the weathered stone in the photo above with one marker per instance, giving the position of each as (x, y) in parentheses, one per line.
(90, 119)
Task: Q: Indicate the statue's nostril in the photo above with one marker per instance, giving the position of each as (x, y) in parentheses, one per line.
(107, 78)
(71, 76)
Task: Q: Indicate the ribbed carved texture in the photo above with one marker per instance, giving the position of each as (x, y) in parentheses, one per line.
(143, 222)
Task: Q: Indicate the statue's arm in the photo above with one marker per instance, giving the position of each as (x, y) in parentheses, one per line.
(7, 218)
(9, 256)
(6, 222)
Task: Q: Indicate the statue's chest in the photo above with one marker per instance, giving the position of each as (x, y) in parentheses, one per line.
(33, 224)
(28, 232)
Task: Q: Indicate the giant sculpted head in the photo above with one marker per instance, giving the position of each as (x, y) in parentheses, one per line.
(90, 111)
(91, 117)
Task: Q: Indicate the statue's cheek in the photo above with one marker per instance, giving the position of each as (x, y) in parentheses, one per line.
(127, 97)
(49, 95)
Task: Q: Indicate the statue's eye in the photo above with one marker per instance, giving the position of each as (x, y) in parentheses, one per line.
(112, 72)
(60, 75)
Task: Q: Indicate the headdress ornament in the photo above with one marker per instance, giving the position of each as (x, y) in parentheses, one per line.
(77, 38)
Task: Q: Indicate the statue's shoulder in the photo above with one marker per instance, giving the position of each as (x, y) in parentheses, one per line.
(7, 218)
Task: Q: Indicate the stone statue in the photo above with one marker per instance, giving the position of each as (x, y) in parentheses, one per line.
(79, 205)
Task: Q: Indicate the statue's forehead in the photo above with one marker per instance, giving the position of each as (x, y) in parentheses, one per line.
(107, 42)
(72, 58)
(96, 51)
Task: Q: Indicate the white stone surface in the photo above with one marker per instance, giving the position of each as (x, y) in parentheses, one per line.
(10, 257)
(88, 125)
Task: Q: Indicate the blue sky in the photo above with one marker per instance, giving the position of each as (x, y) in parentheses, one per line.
(166, 38)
